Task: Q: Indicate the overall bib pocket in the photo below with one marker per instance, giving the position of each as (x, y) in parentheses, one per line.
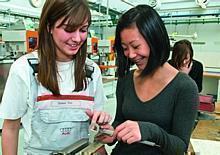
(54, 129)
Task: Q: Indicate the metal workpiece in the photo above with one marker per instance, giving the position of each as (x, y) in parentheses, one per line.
(73, 148)
(91, 149)
(95, 130)
(86, 146)
(81, 147)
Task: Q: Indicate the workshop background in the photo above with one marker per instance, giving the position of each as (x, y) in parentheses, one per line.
(195, 20)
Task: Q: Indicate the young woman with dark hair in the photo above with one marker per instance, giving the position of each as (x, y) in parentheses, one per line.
(156, 104)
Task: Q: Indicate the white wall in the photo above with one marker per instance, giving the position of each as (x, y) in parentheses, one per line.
(208, 53)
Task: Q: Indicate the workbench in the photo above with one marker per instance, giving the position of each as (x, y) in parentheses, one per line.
(207, 130)
(205, 139)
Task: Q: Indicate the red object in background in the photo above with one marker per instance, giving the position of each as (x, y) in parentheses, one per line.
(206, 103)
(94, 45)
(112, 45)
(32, 40)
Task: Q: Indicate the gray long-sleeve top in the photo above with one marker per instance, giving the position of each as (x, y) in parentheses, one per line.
(166, 120)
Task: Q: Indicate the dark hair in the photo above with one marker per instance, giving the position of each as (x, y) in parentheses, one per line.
(180, 51)
(76, 12)
(152, 28)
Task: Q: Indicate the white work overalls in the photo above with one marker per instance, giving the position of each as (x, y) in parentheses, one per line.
(58, 121)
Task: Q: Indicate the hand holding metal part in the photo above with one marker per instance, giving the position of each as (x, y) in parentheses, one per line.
(85, 146)
(95, 130)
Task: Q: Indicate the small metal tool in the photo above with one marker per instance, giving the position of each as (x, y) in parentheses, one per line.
(94, 131)
(149, 143)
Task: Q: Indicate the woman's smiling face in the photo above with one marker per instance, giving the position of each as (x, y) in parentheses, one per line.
(135, 47)
(67, 41)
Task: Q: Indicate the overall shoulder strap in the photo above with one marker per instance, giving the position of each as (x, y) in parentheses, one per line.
(89, 70)
(33, 62)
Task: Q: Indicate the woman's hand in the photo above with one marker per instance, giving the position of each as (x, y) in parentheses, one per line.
(128, 132)
(99, 117)
(106, 138)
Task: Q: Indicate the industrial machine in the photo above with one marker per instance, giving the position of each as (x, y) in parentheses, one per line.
(18, 42)
(14, 44)
(92, 45)
(3, 50)
(107, 57)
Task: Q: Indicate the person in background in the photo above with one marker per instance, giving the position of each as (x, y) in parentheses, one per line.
(156, 104)
(182, 59)
(55, 105)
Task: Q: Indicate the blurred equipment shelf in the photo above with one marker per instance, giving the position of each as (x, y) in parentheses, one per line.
(211, 83)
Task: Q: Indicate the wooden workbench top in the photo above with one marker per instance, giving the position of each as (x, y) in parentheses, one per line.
(207, 130)
(205, 139)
